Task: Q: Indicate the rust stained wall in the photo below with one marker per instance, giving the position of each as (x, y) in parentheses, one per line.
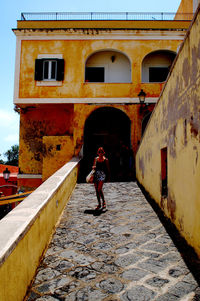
(35, 123)
(175, 124)
(62, 121)
(44, 128)
(59, 150)
(68, 120)
(75, 54)
(82, 112)
(29, 184)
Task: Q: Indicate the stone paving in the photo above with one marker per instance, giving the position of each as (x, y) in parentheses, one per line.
(123, 253)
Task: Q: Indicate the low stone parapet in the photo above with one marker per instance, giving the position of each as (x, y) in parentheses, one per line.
(25, 232)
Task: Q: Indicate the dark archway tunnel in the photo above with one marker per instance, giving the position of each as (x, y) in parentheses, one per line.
(110, 128)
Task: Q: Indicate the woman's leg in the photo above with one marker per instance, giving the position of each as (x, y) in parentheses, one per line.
(100, 189)
(97, 194)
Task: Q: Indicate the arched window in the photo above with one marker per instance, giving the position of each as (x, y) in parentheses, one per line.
(108, 66)
(156, 65)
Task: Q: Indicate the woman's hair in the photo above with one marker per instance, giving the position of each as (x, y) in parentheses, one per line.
(100, 150)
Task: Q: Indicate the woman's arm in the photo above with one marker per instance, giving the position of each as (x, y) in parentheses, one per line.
(94, 163)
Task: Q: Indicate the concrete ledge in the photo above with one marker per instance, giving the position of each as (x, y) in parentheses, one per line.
(29, 176)
(25, 232)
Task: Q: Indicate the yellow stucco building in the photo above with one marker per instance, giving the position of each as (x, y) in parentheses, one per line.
(77, 80)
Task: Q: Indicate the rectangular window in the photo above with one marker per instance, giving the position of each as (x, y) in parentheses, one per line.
(158, 74)
(45, 69)
(53, 69)
(94, 74)
(49, 69)
(164, 172)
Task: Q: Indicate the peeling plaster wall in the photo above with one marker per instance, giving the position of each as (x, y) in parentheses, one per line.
(175, 124)
(35, 123)
(45, 127)
(75, 54)
(59, 150)
(41, 120)
(82, 112)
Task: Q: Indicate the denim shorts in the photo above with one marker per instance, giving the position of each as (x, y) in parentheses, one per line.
(99, 176)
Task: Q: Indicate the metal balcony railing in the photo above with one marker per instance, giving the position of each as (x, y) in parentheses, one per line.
(50, 16)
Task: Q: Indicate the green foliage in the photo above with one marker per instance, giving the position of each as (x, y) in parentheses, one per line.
(1, 161)
(12, 155)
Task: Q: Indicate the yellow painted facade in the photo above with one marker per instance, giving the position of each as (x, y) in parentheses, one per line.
(55, 113)
(167, 162)
(59, 150)
(75, 54)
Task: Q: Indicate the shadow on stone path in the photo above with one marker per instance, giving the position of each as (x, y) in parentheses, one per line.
(124, 253)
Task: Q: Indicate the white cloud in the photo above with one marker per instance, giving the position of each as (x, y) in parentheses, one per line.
(13, 138)
(9, 130)
(8, 118)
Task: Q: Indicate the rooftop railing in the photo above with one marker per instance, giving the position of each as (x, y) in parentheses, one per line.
(56, 16)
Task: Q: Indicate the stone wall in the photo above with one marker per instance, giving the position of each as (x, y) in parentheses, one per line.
(167, 162)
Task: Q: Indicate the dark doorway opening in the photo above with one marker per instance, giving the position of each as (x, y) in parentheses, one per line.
(94, 74)
(158, 74)
(109, 128)
(164, 187)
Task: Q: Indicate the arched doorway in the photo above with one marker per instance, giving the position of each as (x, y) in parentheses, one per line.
(156, 66)
(108, 66)
(110, 128)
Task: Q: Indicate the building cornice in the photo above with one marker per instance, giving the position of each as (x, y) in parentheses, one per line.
(92, 34)
(97, 100)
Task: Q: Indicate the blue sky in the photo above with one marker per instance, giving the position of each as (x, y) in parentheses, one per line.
(11, 12)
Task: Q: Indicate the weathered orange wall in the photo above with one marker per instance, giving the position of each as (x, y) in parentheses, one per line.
(28, 183)
(75, 54)
(43, 129)
(59, 150)
(82, 112)
(35, 123)
(175, 124)
(40, 123)
(12, 169)
(60, 119)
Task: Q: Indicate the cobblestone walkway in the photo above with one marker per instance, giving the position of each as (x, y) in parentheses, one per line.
(123, 254)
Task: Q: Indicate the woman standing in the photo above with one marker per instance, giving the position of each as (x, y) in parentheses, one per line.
(102, 173)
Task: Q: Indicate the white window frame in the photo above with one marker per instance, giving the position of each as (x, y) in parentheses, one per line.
(49, 77)
(49, 82)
